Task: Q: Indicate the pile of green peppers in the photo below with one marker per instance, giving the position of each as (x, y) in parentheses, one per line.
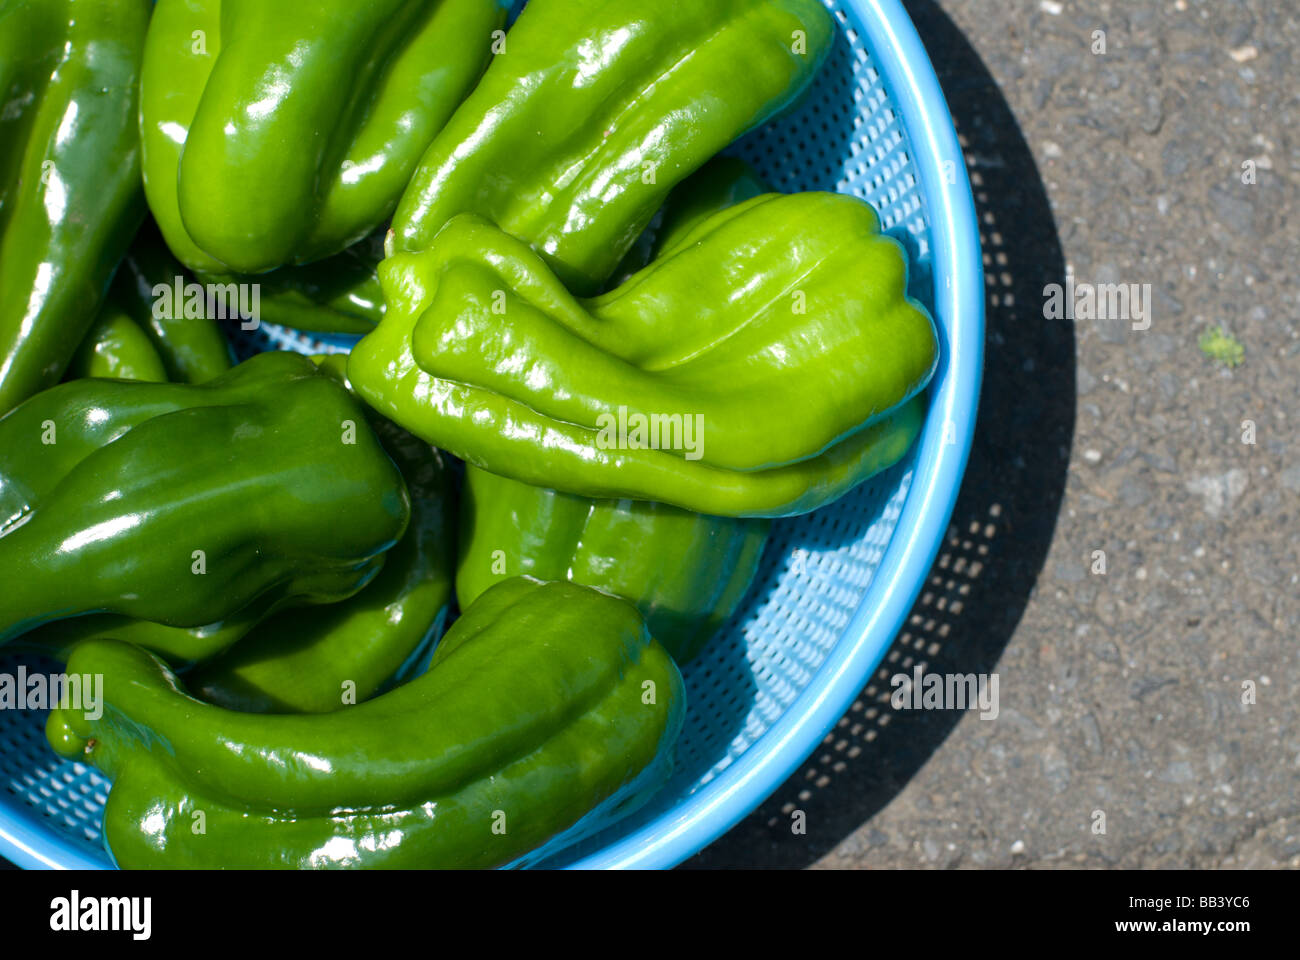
(423, 603)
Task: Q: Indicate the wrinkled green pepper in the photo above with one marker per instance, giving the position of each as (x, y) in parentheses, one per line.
(326, 657)
(544, 703)
(596, 109)
(279, 133)
(70, 197)
(721, 183)
(685, 572)
(765, 368)
(183, 505)
(116, 347)
(192, 347)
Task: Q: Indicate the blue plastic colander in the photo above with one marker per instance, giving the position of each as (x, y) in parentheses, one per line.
(835, 585)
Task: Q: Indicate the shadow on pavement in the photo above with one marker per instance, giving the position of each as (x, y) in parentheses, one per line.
(1005, 515)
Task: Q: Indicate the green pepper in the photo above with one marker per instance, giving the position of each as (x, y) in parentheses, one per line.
(548, 711)
(279, 133)
(183, 504)
(340, 294)
(116, 347)
(685, 572)
(308, 660)
(182, 647)
(596, 109)
(70, 196)
(192, 346)
(765, 368)
(721, 183)
(325, 657)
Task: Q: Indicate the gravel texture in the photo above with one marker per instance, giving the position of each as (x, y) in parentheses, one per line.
(1125, 695)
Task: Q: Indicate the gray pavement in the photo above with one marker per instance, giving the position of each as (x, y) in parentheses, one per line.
(1121, 693)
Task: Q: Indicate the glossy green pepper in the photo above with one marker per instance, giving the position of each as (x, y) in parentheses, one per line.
(70, 197)
(182, 505)
(116, 347)
(182, 647)
(192, 347)
(765, 368)
(596, 109)
(279, 133)
(546, 705)
(327, 657)
(685, 572)
(310, 660)
(721, 183)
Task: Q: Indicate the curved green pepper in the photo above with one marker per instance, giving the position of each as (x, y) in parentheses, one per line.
(685, 572)
(277, 134)
(325, 657)
(578, 130)
(182, 647)
(182, 504)
(116, 347)
(763, 369)
(342, 294)
(299, 660)
(545, 703)
(721, 183)
(193, 348)
(70, 195)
